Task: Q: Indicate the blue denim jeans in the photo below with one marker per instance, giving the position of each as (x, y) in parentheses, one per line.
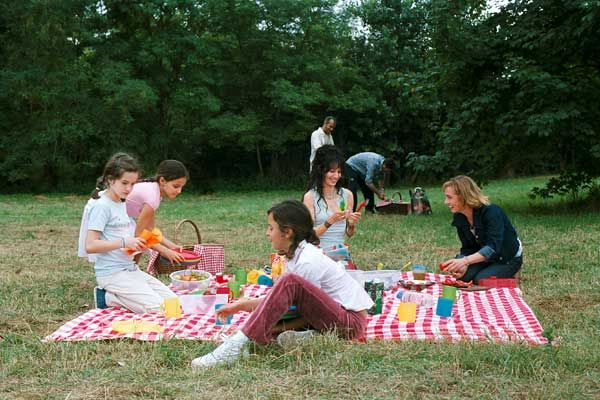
(475, 272)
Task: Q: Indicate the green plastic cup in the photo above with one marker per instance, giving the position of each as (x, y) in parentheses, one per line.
(234, 287)
(449, 292)
(241, 275)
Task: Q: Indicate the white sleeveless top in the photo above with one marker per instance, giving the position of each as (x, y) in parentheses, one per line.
(336, 234)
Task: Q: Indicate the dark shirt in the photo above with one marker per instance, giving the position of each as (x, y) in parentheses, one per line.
(495, 238)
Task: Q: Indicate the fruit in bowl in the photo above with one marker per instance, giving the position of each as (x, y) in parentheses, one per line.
(191, 279)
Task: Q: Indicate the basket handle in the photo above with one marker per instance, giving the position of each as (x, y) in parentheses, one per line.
(394, 194)
(189, 221)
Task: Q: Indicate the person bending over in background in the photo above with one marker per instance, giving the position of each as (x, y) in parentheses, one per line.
(366, 171)
(489, 243)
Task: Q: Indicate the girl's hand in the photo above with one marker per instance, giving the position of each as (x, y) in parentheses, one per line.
(353, 218)
(457, 267)
(173, 256)
(135, 243)
(227, 310)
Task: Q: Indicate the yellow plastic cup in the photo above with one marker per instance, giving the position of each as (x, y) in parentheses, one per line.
(407, 312)
(253, 276)
(171, 307)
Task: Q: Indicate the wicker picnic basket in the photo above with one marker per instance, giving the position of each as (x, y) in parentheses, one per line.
(394, 206)
(164, 266)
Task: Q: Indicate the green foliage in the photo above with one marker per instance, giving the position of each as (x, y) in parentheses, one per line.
(234, 88)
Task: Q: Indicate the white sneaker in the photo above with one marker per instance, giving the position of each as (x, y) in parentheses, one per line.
(227, 353)
(289, 339)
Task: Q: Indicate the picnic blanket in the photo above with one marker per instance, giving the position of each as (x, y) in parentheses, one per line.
(495, 315)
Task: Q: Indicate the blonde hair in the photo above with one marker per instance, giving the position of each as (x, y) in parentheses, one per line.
(466, 188)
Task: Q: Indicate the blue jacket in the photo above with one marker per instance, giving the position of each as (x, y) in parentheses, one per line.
(495, 238)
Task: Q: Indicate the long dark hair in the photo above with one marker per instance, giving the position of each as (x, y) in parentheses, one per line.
(169, 170)
(115, 167)
(292, 214)
(327, 157)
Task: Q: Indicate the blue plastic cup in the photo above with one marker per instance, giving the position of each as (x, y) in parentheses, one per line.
(217, 320)
(444, 307)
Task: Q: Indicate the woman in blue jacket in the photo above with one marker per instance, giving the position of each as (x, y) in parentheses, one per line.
(489, 243)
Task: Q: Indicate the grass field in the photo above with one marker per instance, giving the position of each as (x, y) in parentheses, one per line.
(43, 284)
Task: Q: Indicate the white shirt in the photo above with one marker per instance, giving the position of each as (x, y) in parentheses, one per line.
(317, 139)
(311, 264)
(110, 218)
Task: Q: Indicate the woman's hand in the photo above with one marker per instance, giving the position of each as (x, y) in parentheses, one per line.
(457, 267)
(353, 218)
(336, 217)
(135, 243)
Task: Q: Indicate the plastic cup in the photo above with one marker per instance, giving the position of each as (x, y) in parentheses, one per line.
(171, 307)
(444, 307)
(449, 292)
(407, 312)
(418, 272)
(234, 287)
(217, 320)
(241, 275)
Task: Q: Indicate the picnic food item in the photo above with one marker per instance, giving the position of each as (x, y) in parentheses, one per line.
(342, 204)
(191, 279)
(361, 205)
(442, 266)
(414, 284)
(418, 272)
(456, 282)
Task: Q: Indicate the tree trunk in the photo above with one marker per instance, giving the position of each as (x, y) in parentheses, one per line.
(259, 161)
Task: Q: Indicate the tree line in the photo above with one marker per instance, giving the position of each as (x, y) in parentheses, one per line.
(233, 88)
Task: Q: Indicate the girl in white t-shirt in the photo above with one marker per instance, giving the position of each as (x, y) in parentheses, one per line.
(106, 230)
(325, 296)
(143, 201)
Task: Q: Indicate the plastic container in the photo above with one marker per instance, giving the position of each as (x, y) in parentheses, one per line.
(178, 282)
(389, 276)
(194, 304)
(494, 282)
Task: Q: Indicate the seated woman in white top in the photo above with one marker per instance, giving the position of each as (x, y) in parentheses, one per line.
(330, 204)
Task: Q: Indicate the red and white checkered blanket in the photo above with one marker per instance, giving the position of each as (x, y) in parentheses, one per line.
(497, 315)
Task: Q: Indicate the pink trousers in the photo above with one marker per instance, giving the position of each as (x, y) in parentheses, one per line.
(313, 304)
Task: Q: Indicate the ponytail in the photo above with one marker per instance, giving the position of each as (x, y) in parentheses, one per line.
(169, 170)
(293, 215)
(115, 167)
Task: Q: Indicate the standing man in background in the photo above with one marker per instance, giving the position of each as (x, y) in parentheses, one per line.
(321, 136)
(366, 171)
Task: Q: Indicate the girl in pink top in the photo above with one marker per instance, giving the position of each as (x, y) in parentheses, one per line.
(142, 203)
